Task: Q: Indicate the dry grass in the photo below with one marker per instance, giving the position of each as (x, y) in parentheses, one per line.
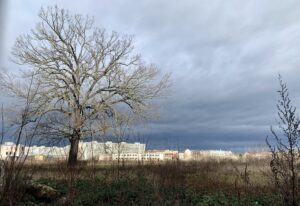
(244, 183)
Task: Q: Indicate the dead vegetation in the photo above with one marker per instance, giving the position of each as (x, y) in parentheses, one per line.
(169, 183)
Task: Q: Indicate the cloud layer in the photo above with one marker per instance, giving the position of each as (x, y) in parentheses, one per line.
(224, 57)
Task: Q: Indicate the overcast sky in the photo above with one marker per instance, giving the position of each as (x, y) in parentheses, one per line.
(224, 57)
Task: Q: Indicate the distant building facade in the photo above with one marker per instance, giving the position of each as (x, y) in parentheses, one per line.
(202, 155)
(87, 151)
(111, 151)
(123, 151)
(160, 155)
(47, 153)
(8, 149)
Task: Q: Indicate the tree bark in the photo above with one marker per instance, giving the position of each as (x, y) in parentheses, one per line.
(75, 138)
(73, 153)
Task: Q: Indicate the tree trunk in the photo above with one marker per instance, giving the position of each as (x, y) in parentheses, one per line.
(75, 138)
(73, 154)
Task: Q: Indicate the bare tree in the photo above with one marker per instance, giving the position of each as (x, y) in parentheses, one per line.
(285, 150)
(81, 67)
(120, 134)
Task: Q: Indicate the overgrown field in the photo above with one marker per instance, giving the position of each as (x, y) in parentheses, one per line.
(170, 183)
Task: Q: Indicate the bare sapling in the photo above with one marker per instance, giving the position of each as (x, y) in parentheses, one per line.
(284, 148)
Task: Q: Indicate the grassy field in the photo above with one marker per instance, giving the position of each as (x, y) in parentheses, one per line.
(169, 183)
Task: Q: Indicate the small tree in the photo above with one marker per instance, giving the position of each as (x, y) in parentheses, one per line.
(13, 175)
(80, 67)
(285, 150)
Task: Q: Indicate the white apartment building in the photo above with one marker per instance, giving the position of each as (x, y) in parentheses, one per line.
(87, 151)
(9, 148)
(43, 152)
(153, 156)
(127, 156)
(111, 151)
(160, 155)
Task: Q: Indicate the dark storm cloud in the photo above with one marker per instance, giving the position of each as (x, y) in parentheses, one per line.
(224, 57)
